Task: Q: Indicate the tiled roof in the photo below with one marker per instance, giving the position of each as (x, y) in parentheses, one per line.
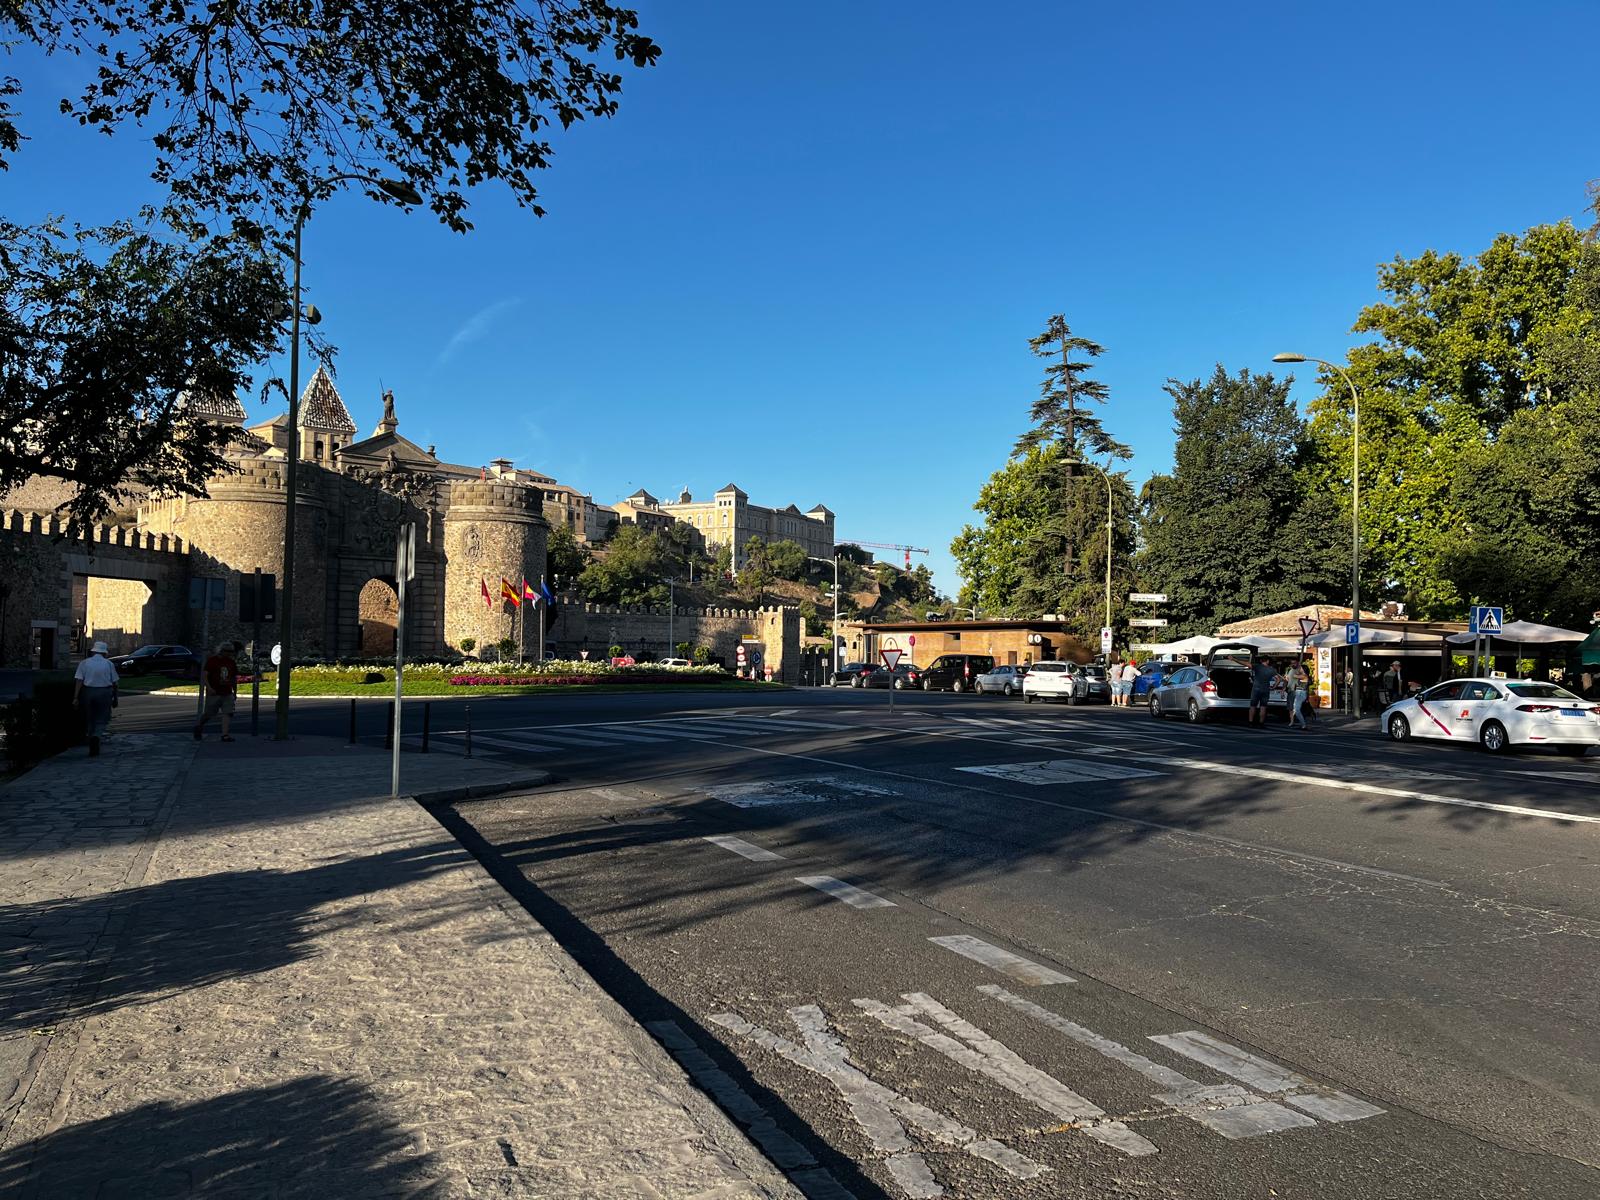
(214, 406)
(321, 407)
(1287, 623)
(734, 488)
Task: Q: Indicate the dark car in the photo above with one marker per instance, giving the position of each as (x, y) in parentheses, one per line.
(906, 675)
(956, 672)
(850, 675)
(1154, 673)
(159, 660)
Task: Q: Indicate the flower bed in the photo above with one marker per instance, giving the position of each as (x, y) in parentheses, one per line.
(617, 676)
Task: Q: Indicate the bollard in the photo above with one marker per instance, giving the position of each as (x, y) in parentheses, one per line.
(468, 708)
(388, 729)
(426, 717)
(352, 722)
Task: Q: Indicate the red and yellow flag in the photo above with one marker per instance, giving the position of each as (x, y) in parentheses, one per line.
(488, 600)
(509, 593)
(527, 591)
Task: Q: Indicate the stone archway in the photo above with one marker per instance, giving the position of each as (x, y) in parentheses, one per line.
(379, 612)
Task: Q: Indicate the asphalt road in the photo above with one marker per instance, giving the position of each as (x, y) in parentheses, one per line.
(975, 948)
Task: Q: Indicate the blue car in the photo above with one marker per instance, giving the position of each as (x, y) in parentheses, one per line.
(1154, 673)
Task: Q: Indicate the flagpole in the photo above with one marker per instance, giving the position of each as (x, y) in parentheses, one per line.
(541, 618)
(522, 640)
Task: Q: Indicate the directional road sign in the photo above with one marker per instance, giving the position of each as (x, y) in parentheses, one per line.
(891, 657)
(1486, 619)
(1148, 622)
(1148, 597)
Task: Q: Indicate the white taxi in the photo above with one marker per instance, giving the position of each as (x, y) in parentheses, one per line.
(1497, 714)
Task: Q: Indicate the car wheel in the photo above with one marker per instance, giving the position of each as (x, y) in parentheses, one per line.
(1072, 698)
(1006, 691)
(927, 686)
(1492, 737)
(1155, 707)
(1399, 729)
(1027, 697)
(1196, 713)
(899, 685)
(856, 681)
(957, 686)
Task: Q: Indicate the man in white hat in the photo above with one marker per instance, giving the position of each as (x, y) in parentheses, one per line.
(94, 684)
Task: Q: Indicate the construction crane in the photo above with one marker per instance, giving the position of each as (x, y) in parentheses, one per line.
(909, 550)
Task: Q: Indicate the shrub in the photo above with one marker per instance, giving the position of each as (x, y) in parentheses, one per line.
(614, 652)
(468, 645)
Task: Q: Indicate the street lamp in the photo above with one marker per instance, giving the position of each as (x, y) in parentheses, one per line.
(1355, 511)
(833, 653)
(1106, 477)
(405, 194)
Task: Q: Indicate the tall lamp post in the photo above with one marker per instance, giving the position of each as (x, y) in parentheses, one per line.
(406, 194)
(1355, 512)
(833, 650)
(1106, 478)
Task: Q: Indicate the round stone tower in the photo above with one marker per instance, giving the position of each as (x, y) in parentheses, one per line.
(492, 531)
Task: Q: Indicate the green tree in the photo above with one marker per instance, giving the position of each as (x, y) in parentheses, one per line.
(1462, 346)
(756, 573)
(632, 571)
(788, 559)
(565, 559)
(104, 334)
(1237, 528)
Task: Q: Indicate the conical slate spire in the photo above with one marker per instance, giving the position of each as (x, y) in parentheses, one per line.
(321, 407)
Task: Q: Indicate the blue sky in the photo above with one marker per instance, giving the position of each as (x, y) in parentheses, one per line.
(808, 253)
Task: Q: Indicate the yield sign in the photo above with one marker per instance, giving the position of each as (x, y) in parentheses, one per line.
(891, 658)
(1308, 626)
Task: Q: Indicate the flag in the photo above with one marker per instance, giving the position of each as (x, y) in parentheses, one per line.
(545, 589)
(508, 593)
(527, 591)
(488, 601)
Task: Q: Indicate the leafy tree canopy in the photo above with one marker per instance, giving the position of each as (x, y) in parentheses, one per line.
(1237, 528)
(565, 559)
(256, 104)
(633, 570)
(104, 334)
(788, 559)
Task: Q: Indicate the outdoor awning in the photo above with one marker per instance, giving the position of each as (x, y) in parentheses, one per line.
(1524, 633)
(1369, 637)
(1198, 644)
(1590, 649)
(1269, 645)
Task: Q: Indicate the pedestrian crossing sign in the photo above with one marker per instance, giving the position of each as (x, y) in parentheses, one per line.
(1486, 619)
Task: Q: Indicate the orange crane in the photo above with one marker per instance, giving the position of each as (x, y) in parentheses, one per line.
(909, 550)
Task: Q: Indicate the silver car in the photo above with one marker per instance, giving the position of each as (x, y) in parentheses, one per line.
(1222, 683)
(1007, 680)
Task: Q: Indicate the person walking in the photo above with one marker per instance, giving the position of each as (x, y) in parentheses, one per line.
(94, 686)
(1394, 688)
(1299, 689)
(1262, 676)
(222, 677)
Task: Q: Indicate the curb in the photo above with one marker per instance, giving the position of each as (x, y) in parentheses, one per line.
(481, 791)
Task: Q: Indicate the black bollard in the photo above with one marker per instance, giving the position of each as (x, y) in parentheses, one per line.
(468, 708)
(352, 722)
(388, 729)
(427, 716)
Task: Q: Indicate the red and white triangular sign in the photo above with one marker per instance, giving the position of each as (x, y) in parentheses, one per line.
(891, 658)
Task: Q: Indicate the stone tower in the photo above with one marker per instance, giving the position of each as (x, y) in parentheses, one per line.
(492, 531)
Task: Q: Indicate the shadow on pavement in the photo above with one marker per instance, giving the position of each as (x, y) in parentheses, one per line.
(313, 1137)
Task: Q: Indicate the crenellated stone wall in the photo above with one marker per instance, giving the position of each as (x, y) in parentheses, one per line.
(594, 627)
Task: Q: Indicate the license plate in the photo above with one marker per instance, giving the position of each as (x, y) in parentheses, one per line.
(1572, 712)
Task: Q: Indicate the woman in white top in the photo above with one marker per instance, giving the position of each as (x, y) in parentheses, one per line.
(94, 684)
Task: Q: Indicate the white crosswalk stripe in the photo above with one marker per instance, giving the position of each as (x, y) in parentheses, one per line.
(547, 739)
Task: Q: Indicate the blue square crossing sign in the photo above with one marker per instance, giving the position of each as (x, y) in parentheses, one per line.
(1486, 619)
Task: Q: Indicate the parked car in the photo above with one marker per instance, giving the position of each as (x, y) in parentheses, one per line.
(1090, 683)
(850, 674)
(1154, 673)
(674, 662)
(157, 660)
(1003, 678)
(1497, 714)
(1201, 691)
(906, 675)
(1048, 681)
(956, 672)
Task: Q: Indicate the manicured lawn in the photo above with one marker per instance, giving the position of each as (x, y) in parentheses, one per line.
(425, 686)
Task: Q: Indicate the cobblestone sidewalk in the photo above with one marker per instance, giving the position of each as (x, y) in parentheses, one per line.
(247, 972)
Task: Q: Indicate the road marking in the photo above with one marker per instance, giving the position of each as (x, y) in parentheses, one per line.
(1584, 780)
(1226, 1108)
(1059, 770)
(814, 790)
(848, 892)
(1350, 785)
(782, 712)
(739, 846)
(878, 1109)
(1021, 969)
(1268, 1077)
(979, 1052)
(506, 744)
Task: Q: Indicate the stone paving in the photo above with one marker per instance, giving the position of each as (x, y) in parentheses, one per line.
(248, 972)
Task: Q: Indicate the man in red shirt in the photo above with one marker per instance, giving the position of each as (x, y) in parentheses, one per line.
(222, 676)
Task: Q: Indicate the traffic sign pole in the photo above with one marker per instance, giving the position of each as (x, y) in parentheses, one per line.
(891, 660)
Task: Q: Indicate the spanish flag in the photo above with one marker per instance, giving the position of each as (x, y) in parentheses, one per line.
(488, 600)
(508, 592)
(527, 591)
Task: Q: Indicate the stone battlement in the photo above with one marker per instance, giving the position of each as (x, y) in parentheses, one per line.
(487, 493)
(126, 536)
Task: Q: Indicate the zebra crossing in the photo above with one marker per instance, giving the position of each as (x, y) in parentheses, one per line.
(629, 735)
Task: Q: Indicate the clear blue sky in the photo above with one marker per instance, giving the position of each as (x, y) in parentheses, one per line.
(809, 252)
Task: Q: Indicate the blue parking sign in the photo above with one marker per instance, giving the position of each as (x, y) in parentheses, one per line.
(1352, 633)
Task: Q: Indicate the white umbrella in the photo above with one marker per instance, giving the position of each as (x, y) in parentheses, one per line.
(1369, 637)
(1198, 644)
(1268, 645)
(1524, 633)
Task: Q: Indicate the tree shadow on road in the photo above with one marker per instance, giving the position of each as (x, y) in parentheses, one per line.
(314, 1137)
